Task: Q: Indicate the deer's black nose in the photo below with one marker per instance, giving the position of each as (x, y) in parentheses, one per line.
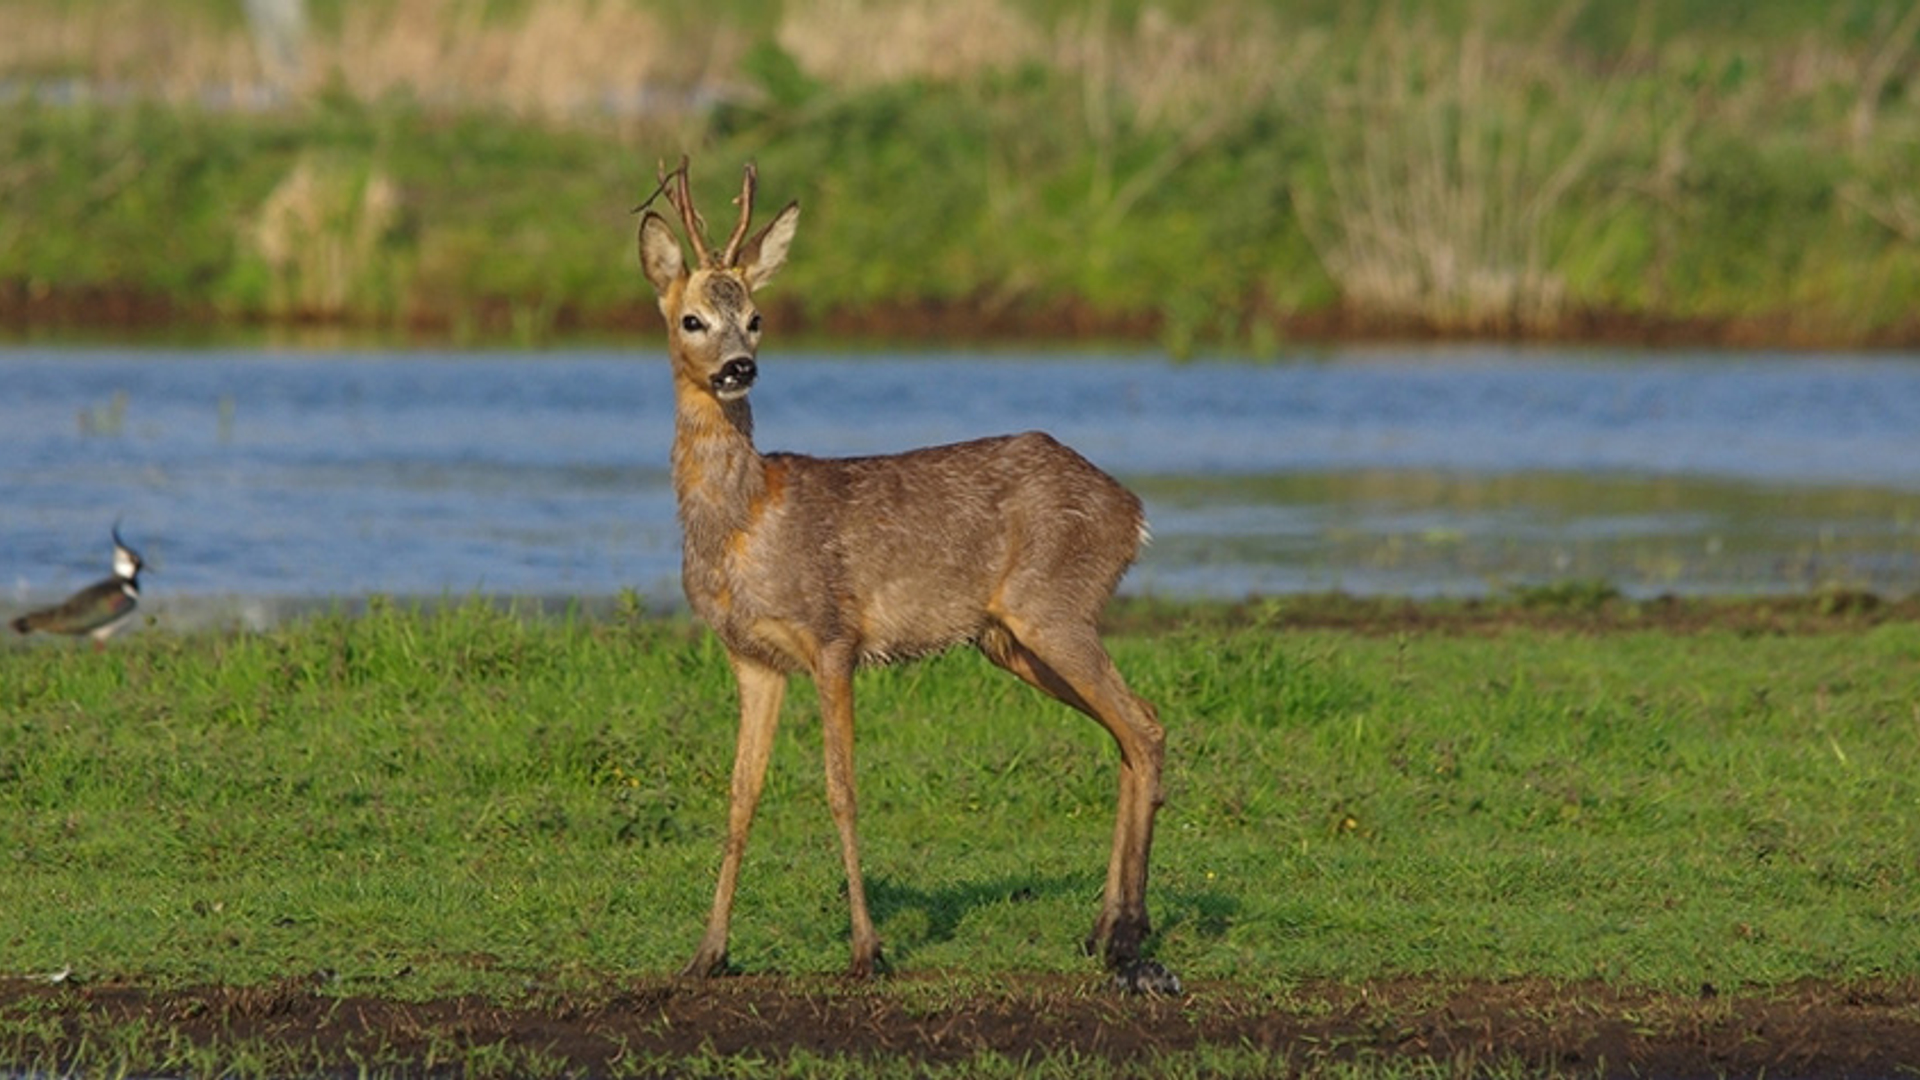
(735, 377)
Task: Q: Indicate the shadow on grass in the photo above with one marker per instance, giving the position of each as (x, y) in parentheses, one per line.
(1205, 914)
(944, 909)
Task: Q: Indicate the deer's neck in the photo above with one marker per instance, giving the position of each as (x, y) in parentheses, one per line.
(718, 476)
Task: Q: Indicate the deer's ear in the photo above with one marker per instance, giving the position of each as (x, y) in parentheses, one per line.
(660, 256)
(766, 251)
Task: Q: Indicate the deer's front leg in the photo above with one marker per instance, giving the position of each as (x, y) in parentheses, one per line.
(761, 691)
(834, 676)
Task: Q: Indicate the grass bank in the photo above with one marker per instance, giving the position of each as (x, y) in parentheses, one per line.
(415, 807)
(1205, 176)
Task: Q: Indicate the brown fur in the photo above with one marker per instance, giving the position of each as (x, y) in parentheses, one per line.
(816, 565)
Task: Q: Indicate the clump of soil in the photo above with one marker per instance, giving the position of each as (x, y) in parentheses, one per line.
(1582, 1029)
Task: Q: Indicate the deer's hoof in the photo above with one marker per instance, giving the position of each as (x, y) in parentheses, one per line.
(1148, 977)
(704, 966)
(867, 967)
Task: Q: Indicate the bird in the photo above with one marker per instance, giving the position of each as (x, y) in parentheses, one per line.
(100, 608)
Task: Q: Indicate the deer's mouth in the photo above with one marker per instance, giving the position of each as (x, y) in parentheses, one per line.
(734, 378)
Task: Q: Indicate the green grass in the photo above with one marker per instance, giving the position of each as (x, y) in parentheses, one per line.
(430, 804)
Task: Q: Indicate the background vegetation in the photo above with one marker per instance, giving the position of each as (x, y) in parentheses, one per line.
(1203, 173)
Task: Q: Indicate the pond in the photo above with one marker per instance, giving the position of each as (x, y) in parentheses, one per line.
(259, 481)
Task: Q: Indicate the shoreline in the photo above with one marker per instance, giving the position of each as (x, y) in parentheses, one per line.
(1573, 608)
(29, 314)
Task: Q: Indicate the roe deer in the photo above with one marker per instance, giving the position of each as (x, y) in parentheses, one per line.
(816, 565)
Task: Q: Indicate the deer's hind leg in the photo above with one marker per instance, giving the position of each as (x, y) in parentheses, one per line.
(833, 674)
(1069, 663)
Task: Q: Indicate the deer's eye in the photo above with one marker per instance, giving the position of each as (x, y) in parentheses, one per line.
(753, 324)
(692, 324)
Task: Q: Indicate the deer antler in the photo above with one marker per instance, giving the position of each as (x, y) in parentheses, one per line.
(732, 254)
(675, 185)
(681, 197)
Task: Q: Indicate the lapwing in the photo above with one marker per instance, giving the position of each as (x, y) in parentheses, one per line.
(100, 608)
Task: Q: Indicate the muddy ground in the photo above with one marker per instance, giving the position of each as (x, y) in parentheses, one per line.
(1807, 1032)
(1574, 608)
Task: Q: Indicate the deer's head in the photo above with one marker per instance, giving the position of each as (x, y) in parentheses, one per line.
(713, 326)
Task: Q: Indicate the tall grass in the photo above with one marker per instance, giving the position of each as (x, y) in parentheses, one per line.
(319, 233)
(898, 40)
(1449, 160)
(553, 61)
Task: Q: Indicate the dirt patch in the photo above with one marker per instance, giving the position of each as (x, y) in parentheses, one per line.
(1576, 609)
(1807, 1031)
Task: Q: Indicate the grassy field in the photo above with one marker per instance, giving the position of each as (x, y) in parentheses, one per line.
(413, 807)
(1208, 175)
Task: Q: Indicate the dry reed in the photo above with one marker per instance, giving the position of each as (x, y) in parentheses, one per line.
(1156, 70)
(557, 60)
(124, 47)
(868, 42)
(319, 234)
(1447, 161)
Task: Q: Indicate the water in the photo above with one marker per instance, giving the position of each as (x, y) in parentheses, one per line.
(253, 480)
